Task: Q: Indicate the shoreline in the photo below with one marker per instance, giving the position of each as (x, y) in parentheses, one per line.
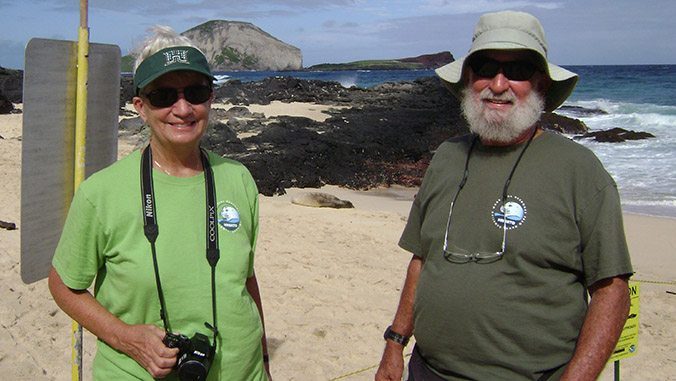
(631, 212)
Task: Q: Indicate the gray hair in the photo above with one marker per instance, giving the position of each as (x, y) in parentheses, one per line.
(162, 37)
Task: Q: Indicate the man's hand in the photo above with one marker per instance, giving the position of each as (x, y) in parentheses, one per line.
(144, 344)
(392, 364)
(603, 323)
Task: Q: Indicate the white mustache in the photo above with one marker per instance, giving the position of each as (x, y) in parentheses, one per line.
(488, 94)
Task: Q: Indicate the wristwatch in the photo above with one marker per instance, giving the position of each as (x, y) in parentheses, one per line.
(397, 338)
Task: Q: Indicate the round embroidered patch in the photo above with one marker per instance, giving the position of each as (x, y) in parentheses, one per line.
(514, 212)
(228, 216)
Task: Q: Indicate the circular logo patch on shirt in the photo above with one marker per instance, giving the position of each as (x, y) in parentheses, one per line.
(228, 216)
(513, 212)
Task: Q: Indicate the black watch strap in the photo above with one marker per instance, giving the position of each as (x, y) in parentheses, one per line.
(397, 338)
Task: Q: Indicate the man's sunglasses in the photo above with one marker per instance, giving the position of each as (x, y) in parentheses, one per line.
(513, 70)
(166, 97)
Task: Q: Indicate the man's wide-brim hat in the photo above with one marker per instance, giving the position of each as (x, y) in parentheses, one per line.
(510, 30)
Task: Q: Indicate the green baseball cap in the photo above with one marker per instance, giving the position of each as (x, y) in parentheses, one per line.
(511, 30)
(168, 60)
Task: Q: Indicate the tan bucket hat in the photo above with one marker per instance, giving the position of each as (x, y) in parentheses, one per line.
(511, 30)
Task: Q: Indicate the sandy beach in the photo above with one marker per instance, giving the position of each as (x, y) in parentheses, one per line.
(330, 281)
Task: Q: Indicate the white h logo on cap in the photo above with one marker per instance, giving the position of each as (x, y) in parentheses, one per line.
(176, 56)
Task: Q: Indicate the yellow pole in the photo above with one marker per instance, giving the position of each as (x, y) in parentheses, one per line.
(80, 150)
(81, 95)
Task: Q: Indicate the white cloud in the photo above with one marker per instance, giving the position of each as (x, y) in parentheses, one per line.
(481, 6)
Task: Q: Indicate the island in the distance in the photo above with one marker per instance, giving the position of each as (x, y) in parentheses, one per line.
(423, 62)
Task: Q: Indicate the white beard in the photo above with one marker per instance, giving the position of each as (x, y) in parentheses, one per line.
(498, 126)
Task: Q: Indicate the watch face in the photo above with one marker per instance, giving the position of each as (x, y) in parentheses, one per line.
(390, 334)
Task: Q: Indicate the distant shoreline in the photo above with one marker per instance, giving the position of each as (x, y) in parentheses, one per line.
(303, 70)
(345, 67)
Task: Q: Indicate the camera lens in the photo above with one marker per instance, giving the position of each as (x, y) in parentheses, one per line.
(195, 359)
(192, 370)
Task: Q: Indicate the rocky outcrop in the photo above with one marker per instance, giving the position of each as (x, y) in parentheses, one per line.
(580, 112)
(381, 136)
(11, 85)
(6, 106)
(560, 123)
(7, 225)
(233, 45)
(385, 136)
(615, 135)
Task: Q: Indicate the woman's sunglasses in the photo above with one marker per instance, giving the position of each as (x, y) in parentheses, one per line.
(166, 97)
(513, 70)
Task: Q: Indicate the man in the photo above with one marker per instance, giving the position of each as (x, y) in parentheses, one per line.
(511, 229)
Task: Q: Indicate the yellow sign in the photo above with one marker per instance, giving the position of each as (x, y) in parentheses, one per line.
(627, 345)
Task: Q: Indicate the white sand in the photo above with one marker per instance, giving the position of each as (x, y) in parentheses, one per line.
(330, 282)
(277, 108)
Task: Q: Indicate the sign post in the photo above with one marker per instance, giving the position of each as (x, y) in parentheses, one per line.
(80, 150)
(67, 86)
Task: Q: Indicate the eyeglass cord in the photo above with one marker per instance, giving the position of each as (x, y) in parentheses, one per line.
(504, 190)
(511, 173)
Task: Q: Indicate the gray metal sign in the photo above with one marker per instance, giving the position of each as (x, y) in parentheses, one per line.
(48, 141)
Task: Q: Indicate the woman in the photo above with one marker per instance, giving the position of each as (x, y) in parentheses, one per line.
(178, 238)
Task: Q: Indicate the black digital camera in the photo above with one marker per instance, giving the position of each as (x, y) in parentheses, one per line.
(195, 355)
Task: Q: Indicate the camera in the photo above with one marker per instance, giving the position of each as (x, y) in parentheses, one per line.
(195, 355)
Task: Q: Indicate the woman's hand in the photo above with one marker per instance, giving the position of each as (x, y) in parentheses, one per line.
(144, 344)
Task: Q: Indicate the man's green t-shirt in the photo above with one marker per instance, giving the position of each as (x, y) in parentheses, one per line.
(103, 240)
(519, 317)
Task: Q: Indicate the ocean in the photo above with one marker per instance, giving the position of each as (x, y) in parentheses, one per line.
(634, 97)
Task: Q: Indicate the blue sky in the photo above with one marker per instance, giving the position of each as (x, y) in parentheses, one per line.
(579, 32)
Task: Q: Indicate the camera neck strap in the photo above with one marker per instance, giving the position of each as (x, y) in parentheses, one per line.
(151, 229)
